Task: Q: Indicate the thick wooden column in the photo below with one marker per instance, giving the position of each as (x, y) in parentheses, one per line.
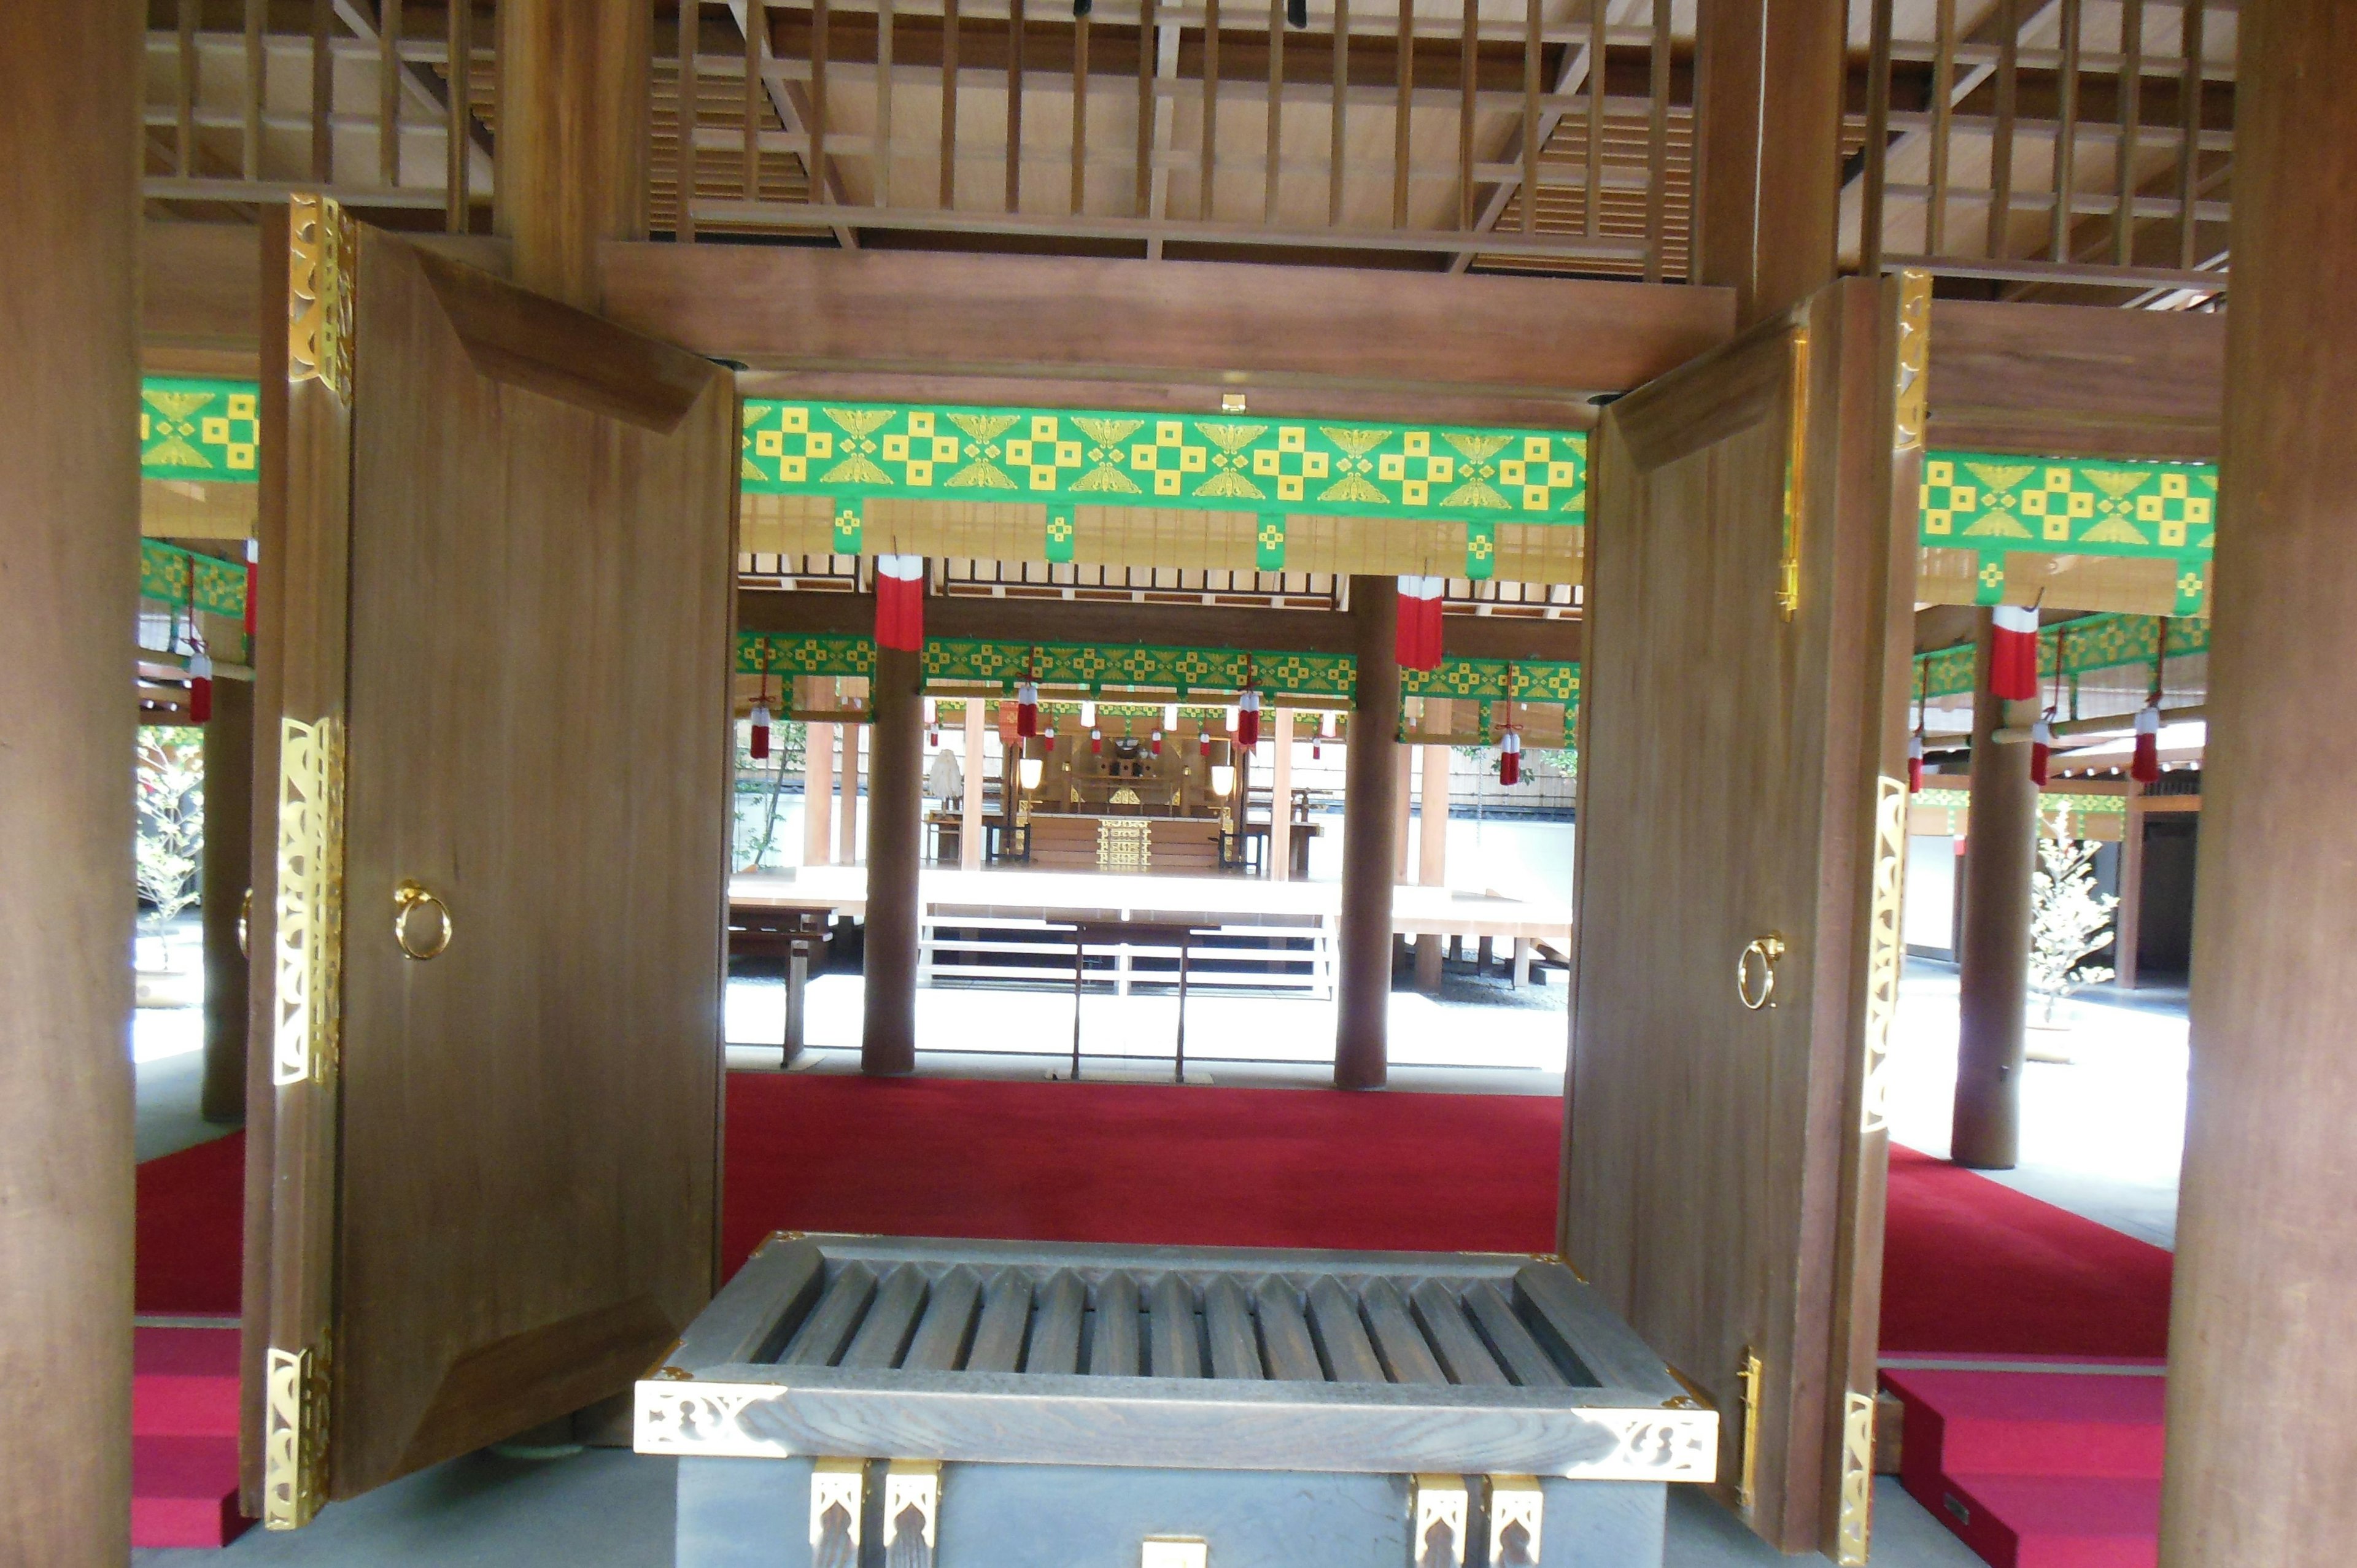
(970, 828)
(1768, 148)
(1993, 965)
(2261, 1383)
(1432, 842)
(69, 76)
(571, 154)
(1280, 799)
(228, 873)
(1403, 798)
(818, 794)
(1371, 791)
(896, 826)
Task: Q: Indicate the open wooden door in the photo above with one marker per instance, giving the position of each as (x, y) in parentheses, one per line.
(1743, 811)
(497, 935)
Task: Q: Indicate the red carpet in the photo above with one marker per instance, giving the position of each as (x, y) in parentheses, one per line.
(1971, 1266)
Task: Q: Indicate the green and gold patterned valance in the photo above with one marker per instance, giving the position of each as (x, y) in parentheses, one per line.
(1062, 459)
(191, 428)
(1180, 669)
(2072, 648)
(1994, 507)
(166, 574)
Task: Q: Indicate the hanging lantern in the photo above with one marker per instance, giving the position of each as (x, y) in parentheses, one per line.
(2145, 767)
(2013, 653)
(1418, 641)
(900, 603)
(760, 745)
(1171, 716)
(252, 600)
(1510, 757)
(2042, 749)
(1915, 763)
(1096, 741)
(1248, 718)
(1027, 710)
(200, 687)
(1088, 715)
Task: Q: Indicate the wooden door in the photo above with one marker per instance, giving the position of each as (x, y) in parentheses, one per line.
(1742, 779)
(500, 947)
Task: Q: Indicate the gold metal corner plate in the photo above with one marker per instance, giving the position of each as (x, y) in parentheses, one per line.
(1854, 1529)
(1750, 1378)
(310, 937)
(1886, 948)
(1796, 461)
(294, 1439)
(321, 263)
(1914, 352)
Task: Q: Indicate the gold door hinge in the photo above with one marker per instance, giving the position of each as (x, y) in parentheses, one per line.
(1748, 1467)
(295, 1437)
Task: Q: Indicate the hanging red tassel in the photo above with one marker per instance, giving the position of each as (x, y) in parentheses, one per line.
(1510, 757)
(2041, 750)
(1248, 719)
(1027, 710)
(760, 746)
(1914, 765)
(2013, 653)
(253, 601)
(1418, 643)
(1203, 740)
(1158, 743)
(1096, 743)
(2146, 768)
(200, 687)
(900, 603)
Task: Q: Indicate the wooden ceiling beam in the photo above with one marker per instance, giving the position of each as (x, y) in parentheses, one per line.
(2065, 381)
(789, 612)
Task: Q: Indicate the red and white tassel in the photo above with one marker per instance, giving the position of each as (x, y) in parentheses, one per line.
(1248, 718)
(1203, 740)
(1418, 641)
(1318, 739)
(1096, 743)
(200, 687)
(1914, 765)
(252, 600)
(760, 746)
(2146, 766)
(1027, 710)
(2041, 750)
(932, 722)
(1510, 757)
(2013, 653)
(900, 603)
(1158, 743)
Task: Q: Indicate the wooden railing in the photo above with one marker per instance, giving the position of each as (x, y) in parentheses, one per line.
(2054, 145)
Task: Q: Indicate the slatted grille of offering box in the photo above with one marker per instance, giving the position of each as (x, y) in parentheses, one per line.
(1023, 1403)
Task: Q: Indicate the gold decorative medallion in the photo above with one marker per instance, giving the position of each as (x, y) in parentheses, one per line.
(294, 1438)
(1855, 1527)
(1914, 348)
(322, 252)
(1788, 577)
(310, 934)
(1885, 947)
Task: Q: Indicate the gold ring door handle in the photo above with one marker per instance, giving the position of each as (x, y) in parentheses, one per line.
(407, 900)
(1767, 949)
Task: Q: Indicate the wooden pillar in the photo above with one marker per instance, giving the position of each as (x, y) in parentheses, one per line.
(1280, 801)
(2127, 921)
(1432, 843)
(570, 160)
(818, 794)
(228, 873)
(896, 826)
(1372, 796)
(2262, 1384)
(846, 822)
(1993, 967)
(1768, 166)
(970, 829)
(69, 538)
(1403, 798)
